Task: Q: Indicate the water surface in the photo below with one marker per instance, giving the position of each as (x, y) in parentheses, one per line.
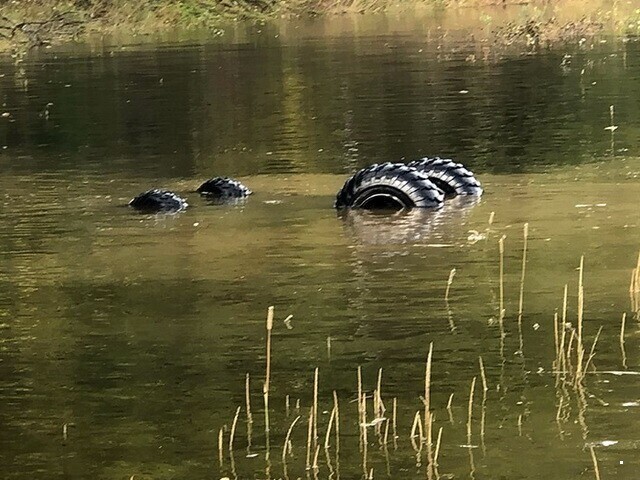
(136, 331)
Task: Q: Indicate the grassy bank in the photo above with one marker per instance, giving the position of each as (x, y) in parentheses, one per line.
(28, 23)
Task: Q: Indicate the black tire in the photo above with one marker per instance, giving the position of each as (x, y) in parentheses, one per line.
(451, 177)
(389, 186)
(157, 200)
(223, 188)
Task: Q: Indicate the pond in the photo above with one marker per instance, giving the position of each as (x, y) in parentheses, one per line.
(125, 339)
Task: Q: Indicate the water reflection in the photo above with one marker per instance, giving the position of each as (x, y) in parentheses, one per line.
(417, 225)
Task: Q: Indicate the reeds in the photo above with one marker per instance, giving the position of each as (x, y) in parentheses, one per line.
(623, 352)
(522, 276)
(452, 274)
(580, 344)
(309, 438)
(470, 410)
(594, 459)
(315, 407)
(501, 313)
(573, 360)
(233, 428)
(247, 401)
(634, 289)
(567, 366)
(427, 394)
(267, 380)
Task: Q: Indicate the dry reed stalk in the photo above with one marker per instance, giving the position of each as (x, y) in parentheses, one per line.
(491, 218)
(267, 381)
(556, 341)
(360, 402)
(563, 330)
(559, 412)
(309, 441)
(569, 350)
(365, 440)
(501, 247)
(315, 458)
(483, 375)
(329, 428)
(287, 441)
(267, 378)
(429, 439)
(452, 274)
(247, 400)
(395, 422)
(386, 433)
(337, 409)
(449, 410)
(359, 388)
(483, 415)
(427, 389)
(596, 469)
(233, 428)
(416, 428)
(622, 349)
(220, 447)
(580, 344)
(524, 266)
(522, 276)
(438, 443)
(470, 410)
(315, 408)
(634, 288)
(592, 353)
(378, 408)
(520, 425)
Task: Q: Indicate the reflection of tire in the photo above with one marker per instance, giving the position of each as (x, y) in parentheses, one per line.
(220, 188)
(157, 200)
(389, 186)
(446, 225)
(451, 177)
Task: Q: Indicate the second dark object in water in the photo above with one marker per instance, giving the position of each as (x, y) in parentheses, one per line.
(157, 200)
(450, 177)
(223, 188)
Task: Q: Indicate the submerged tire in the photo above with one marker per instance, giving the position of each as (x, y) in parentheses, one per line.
(223, 188)
(389, 186)
(451, 177)
(157, 200)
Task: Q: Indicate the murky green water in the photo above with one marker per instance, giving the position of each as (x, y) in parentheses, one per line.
(136, 331)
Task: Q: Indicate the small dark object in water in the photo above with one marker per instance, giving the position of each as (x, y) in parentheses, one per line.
(450, 177)
(223, 188)
(157, 200)
(389, 186)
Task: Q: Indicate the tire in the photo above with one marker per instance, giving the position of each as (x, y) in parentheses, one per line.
(389, 186)
(451, 177)
(222, 189)
(157, 200)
